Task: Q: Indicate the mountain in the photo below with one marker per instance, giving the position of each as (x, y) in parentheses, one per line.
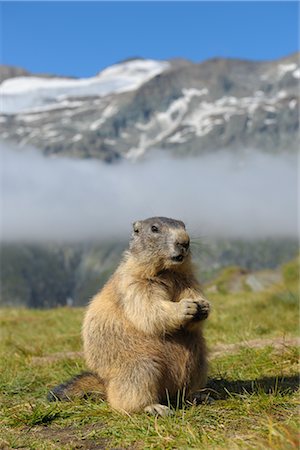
(138, 105)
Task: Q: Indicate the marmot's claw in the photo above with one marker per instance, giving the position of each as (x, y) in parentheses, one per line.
(203, 309)
(158, 410)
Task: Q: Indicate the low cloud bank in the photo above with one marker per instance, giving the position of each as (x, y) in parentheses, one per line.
(253, 195)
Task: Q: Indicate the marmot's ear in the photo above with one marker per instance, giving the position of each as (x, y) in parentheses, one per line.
(136, 226)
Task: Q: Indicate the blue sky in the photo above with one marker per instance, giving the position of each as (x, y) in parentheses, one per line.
(81, 38)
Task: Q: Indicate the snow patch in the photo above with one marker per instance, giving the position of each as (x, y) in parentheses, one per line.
(109, 141)
(259, 93)
(30, 117)
(285, 68)
(178, 138)
(296, 73)
(23, 93)
(51, 133)
(269, 108)
(61, 104)
(270, 121)
(76, 138)
(282, 94)
(194, 92)
(109, 111)
(293, 104)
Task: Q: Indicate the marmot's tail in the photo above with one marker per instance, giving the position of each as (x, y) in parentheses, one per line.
(82, 385)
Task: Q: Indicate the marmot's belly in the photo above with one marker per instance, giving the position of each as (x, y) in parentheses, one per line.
(171, 361)
(182, 361)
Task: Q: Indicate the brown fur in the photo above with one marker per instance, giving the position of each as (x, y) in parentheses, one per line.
(142, 332)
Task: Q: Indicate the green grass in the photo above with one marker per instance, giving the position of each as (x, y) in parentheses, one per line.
(255, 389)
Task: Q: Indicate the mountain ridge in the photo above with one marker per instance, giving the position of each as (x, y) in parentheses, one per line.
(8, 70)
(178, 106)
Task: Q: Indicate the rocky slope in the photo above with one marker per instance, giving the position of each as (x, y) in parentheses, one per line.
(139, 105)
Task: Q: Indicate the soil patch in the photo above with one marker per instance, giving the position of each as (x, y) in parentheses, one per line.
(76, 438)
(278, 344)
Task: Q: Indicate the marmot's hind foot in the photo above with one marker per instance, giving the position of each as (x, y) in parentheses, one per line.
(158, 410)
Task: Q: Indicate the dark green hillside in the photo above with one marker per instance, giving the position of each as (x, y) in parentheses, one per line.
(43, 276)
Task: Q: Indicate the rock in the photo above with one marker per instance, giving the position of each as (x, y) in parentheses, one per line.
(259, 281)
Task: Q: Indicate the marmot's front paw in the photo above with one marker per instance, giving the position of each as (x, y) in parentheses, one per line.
(187, 310)
(203, 309)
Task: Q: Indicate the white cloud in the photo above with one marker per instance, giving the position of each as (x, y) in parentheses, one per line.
(219, 195)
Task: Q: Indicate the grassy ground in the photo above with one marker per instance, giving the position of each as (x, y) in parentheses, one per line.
(255, 386)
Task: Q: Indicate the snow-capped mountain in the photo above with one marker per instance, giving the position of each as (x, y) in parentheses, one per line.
(35, 94)
(135, 106)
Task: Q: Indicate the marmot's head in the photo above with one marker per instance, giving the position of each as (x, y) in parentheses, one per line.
(161, 242)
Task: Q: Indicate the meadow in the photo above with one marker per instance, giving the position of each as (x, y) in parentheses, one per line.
(252, 394)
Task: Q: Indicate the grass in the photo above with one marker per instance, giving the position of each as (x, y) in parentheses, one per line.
(255, 389)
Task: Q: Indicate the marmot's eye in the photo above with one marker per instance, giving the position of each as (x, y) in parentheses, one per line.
(154, 229)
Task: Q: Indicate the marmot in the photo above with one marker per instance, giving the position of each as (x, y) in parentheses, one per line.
(142, 332)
